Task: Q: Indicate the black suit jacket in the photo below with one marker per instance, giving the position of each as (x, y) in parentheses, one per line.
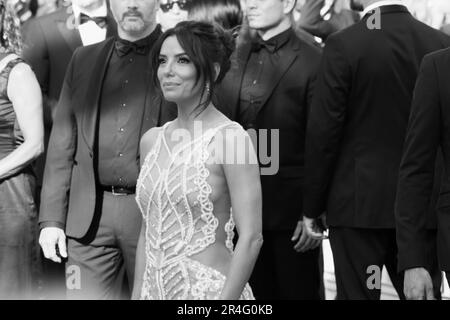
(284, 107)
(446, 29)
(69, 193)
(359, 116)
(428, 131)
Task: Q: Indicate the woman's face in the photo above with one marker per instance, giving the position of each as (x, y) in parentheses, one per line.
(177, 74)
(172, 12)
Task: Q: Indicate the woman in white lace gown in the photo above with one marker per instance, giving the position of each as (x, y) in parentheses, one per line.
(190, 179)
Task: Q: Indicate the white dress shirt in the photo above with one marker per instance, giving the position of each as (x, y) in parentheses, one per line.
(378, 4)
(90, 32)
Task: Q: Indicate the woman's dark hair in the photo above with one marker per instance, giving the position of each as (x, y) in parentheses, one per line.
(226, 13)
(205, 44)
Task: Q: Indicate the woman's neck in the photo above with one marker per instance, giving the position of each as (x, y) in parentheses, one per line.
(194, 109)
(188, 115)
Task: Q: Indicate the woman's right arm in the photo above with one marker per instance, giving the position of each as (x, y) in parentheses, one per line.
(243, 180)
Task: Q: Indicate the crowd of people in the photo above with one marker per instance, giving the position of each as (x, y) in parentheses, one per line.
(99, 199)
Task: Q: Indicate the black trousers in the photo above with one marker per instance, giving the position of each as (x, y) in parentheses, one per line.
(357, 249)
(282, 273)
(101, 265)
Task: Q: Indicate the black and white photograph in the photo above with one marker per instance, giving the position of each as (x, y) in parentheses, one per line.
(247, 151)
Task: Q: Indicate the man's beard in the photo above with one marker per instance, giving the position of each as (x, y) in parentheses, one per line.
(133, 27)
(356, 6)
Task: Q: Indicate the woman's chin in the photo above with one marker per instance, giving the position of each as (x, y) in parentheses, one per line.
(171, 97)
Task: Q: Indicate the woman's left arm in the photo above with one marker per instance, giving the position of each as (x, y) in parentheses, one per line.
(246, 199)
(25, 95)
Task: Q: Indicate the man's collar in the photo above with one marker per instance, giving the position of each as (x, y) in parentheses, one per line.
(378, 4)
(274, 43)
(101, 11)
(280, 39)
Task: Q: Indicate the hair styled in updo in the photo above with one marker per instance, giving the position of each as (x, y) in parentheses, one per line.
(205, 44)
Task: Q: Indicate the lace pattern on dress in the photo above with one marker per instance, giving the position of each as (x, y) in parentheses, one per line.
(176, 207)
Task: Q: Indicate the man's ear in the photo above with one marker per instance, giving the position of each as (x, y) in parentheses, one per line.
(216, 70)
(289, 6)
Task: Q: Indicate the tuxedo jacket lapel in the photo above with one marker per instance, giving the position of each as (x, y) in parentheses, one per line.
(153, 103)
(152, 109)
(100, 64)
(111, 29)
(287, 58)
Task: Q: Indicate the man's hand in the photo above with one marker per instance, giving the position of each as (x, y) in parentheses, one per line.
(418, 284)
(313, 229)
(48, 239)
(304, 241)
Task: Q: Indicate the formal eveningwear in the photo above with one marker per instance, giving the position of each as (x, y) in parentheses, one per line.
(355, 136)
(83, 191)
(19, 260)
(427, 138)
(269, 89)
(173, 194)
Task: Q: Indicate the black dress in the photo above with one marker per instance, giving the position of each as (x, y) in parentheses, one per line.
(18, 215)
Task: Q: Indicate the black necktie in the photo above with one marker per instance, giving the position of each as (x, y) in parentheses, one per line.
(100, 21)
(124, 47)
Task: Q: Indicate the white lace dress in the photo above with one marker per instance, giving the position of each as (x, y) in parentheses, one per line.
(174, 199)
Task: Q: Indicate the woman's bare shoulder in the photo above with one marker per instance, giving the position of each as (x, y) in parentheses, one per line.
(151, 135)
(149, 139)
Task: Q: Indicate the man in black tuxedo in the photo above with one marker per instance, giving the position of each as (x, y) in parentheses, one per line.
(49, 42)
(106, 105)
(354, 141)
(428, 131)
(269, 87)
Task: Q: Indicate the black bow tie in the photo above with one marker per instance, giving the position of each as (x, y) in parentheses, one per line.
(259, 43)
(100, 21)
(124, 47)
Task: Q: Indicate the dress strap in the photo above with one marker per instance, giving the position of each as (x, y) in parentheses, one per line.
(12, 61)
(164, 126)
(10, 64)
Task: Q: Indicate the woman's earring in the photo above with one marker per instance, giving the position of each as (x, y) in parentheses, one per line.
(207, 88)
